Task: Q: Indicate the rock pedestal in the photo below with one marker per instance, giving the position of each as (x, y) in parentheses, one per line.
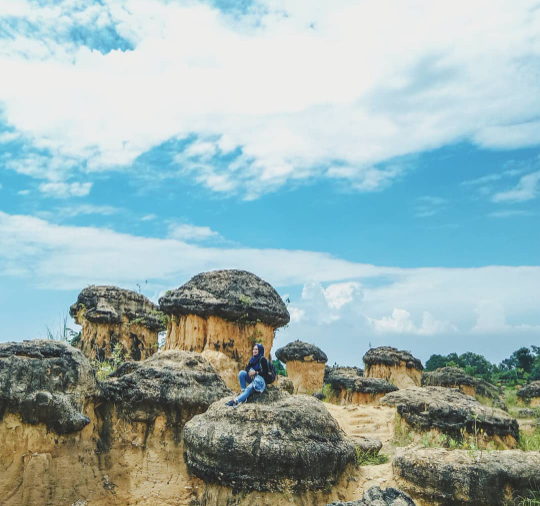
(111, 316)
(275, 442)
(454, 377)
(529, 395)
(398, 367)
(357, 390)
(305, 366)
(223, 314)
(454, 414)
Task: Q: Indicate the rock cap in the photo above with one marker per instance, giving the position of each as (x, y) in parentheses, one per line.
(529, 391)
(234, 295)
(300, 351)
(387, 355)
(110, 304)
(360, 384)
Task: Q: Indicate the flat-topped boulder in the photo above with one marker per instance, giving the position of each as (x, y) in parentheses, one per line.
(530, 394)
(111, 317)
(349, 389)
(396, 366)
(175, 384)
(305, 365)
(46, 382)
(226, 312)
(453, 413)
(376, 496)
(444, 477)
(274, 442)
(455, 377)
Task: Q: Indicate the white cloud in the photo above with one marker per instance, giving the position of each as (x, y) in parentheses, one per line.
(495, 176)
(526, 189)
(401, 323)
(85, 209)
(428, 205)
(23, 192)
(301, 89)
(149, 217)
(65, 190)
(509, 213)
(185, 232)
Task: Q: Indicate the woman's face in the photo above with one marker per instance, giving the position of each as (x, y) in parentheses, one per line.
(255, 351)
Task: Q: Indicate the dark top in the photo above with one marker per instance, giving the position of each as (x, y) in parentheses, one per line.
(263, 370)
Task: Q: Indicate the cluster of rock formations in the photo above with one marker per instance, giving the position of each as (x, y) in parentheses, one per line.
(305, 365)
(530, 394)
(398, 367)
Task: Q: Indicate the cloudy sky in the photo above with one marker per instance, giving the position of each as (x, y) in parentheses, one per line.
(377, 161)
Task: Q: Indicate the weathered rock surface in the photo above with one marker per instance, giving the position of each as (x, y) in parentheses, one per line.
(396, 366)
(530, 394)
(451, 411)
(349, 389)
(375, 496)
(457, 478)
(110, 315)
(369, 445)
(526, 413)
(341, 372)
(46, 382)
(275, 442)
(233, 295)
(226, 312)
(301, 352)
(284, 384)
(454, 377)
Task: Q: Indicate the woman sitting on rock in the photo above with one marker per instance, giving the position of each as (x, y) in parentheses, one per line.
(254, 378)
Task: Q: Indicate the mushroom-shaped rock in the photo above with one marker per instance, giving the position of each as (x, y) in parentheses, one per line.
(453, 413)
(226, 312)
(455, 377)
(376, 496)
(175, 384)
(347, 389)
(459, 478)
(305, 365)
(277, 442)
(530, 394)
(111, 316)
(397, 366)
(46, 382)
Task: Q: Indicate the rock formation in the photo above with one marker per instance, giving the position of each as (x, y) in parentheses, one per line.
(111, 316)
(226, 313)
(453, 413)
(454, 377)
(349, 389)
(396, 366)
(458, 478)
(530, 394)
(285, 384)
(46, 382)
(305, 365)
(276, 442)
(377, 497)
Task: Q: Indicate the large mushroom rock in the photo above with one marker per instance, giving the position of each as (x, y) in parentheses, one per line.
(453, 413)
(396, 366)
(111, 316)
(176, 385)
(348, 389)
(376, 496)
(305, 365)
(226, 312)
(46, 382)
(454, 377)
(458, 477)
(275, 442)
(530, 394)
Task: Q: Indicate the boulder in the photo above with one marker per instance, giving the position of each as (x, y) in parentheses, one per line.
(530, 394)
(526, 413)
(369, 445)
(349, 389)
(375, 496)
(46, 382)
(285, 384)
(305, 365)
(226, 312)
(458, 477)
(455, 377)
(175, 384)
(342, 371)
(111, 316)
(453, 413)
(274, 442)
(396, 366)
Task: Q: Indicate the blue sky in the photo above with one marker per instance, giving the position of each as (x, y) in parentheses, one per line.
(379, 164)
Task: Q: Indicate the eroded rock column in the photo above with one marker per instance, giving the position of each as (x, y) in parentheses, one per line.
(398, 367)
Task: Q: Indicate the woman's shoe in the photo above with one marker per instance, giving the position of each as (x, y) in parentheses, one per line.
(232, 402)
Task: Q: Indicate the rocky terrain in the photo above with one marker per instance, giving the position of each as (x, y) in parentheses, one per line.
(398, 367)
(530, 394)
(350, 389)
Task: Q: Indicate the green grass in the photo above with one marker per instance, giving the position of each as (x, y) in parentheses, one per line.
(532, 499)
(511, 399)
(529, 442)
(328, 392)
(368, 459)
(402, 436)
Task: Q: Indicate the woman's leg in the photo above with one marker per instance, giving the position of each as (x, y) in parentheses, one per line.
(245, 394)
(244, 379)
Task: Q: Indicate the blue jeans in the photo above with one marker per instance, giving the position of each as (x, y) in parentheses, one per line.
(249, 385)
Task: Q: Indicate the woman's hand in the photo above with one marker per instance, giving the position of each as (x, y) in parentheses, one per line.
(251, 373)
